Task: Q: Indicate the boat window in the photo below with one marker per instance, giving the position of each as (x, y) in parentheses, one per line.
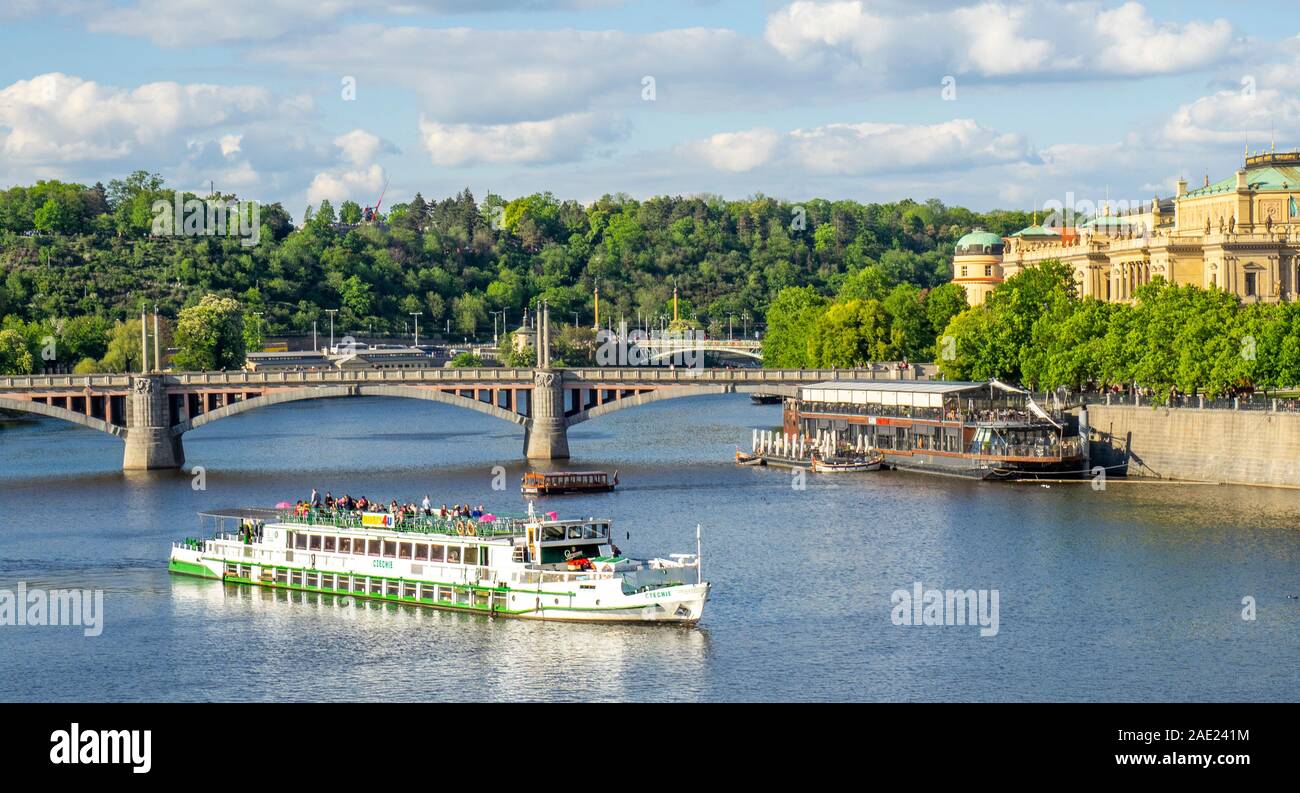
(404, 551)
(376, 586)
(453, 554)
(471, 555)
(436, 553)
(329, 542)
(359, 584)
(345, 545)
(390, 549)
(552, 533)
(604, 529)
(422, 551)
(359, 546)
(373, 550)
(575, 532)
(314, 543)
(300, 541)
(288, 538)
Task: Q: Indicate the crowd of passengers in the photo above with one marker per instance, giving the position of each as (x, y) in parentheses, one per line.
(347, 505)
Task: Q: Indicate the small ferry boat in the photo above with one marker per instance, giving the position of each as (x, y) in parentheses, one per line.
(548, 484)
(748, 458)
(983, 430)
(531, 567)
(847, 465)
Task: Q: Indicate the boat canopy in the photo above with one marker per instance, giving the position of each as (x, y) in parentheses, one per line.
(921, 394)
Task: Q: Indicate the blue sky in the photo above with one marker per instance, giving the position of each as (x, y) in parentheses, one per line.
(836, 99)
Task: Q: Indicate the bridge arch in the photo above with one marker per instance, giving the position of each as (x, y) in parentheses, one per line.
(336, 392)
(677, 392)
(50, 411)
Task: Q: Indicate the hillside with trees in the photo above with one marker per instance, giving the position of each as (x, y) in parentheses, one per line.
(77, 264)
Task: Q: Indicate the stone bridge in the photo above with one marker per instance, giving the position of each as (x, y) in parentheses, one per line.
(151, 412)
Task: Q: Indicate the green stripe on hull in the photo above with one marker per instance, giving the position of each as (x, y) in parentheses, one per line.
(188, 568)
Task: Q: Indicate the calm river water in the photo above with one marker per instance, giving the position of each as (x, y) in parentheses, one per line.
(1134, 593)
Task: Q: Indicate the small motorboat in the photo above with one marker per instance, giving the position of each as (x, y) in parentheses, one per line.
(847, 465)
(748, 458)
(549, 484)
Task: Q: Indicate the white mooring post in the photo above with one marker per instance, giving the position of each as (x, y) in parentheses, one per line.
(699, 556)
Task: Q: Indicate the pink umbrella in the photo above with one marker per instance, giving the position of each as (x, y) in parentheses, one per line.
(283, 505)
(553, 515)
(488, 518)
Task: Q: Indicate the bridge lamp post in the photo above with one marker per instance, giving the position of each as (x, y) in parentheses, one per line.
(331, 312)
(730, 323)
(744, 318)
(258, 314)
(502, 313)
(417, 314)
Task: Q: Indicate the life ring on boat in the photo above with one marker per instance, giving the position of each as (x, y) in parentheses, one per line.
(471, 531)
(460, 528)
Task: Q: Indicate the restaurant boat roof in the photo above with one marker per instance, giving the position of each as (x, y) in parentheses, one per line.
(918, 393)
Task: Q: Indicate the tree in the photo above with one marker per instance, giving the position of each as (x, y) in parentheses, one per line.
(851, 334)
(210, 335)
(466, 360)
(84, 337)
(790, 321)
(15, 358)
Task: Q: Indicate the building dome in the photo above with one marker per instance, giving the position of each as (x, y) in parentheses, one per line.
(978, 243)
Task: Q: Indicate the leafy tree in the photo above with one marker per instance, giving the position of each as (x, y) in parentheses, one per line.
(15, 358)
(210, 335)
(790, 321)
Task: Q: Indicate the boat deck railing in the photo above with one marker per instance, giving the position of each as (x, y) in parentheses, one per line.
(500, 526)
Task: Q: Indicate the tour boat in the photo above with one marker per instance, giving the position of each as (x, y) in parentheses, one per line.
(537, 483)
(747, 458)
(531, 567)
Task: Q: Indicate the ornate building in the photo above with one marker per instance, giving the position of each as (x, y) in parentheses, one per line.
(1241, 234)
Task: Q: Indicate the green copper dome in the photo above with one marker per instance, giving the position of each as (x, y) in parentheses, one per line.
(978, 242)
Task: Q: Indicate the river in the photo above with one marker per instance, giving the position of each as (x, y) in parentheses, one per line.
(1131, 593)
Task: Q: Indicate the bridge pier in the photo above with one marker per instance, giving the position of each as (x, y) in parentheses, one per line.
(546, 434)
(150, 444)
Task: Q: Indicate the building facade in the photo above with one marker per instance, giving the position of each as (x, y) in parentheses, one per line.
(1241, 234)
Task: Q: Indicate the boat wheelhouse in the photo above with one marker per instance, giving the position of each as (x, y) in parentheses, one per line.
(531, 567)
(986, 430)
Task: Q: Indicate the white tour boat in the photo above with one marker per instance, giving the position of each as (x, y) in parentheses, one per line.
(532, 567)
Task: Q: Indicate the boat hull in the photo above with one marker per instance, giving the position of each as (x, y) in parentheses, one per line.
(681, 604)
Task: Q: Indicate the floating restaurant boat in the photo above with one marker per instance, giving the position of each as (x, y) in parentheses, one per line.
(531, 567)
(984, 430)
(548, 484)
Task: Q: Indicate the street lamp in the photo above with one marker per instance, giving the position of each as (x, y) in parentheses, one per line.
(258, 314)
(730, 318)
(417, 314)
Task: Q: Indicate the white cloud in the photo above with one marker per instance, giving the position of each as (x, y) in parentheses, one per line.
(492, 76)
(995, 39)
(862, 148)
(737, 151)
(181, 23)
(56, 118)
(558, 139)
(358, 175)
